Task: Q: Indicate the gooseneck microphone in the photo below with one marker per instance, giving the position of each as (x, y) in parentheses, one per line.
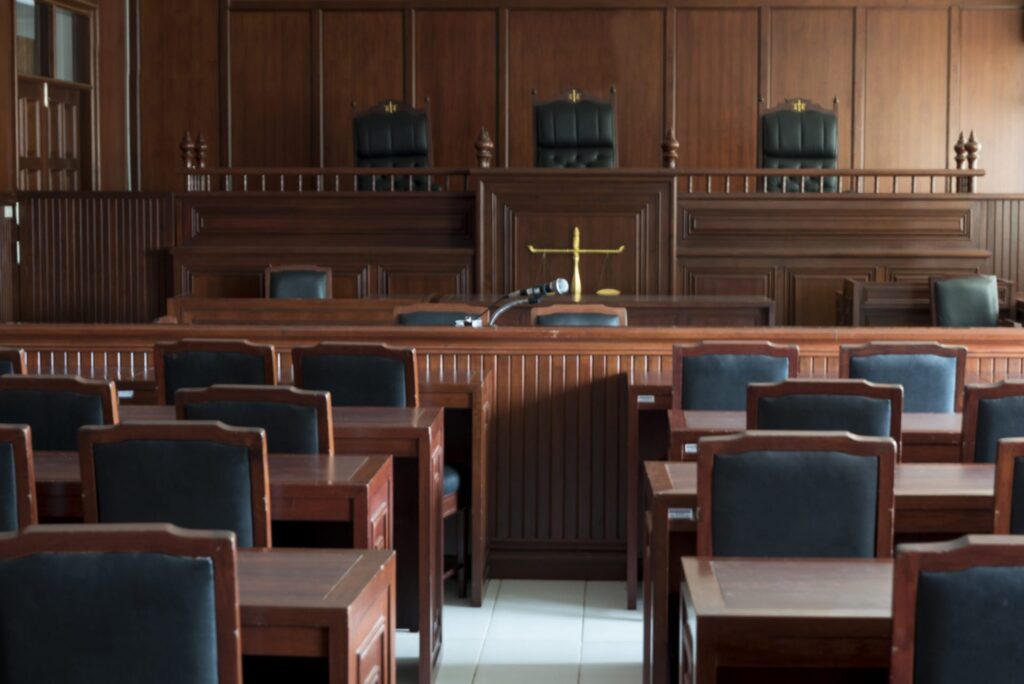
(558, 286)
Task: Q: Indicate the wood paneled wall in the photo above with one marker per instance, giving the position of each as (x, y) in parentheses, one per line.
(8, 272)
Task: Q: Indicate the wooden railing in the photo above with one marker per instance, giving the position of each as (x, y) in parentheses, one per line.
(323, 180)
(814, 181)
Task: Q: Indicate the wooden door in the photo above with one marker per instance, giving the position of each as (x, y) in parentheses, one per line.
(68, 130)
(32, 136)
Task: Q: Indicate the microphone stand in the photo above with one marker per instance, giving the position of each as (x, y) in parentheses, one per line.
(510, 304)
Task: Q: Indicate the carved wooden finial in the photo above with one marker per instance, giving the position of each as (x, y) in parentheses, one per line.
(961, 151)
(188, 151)
(972, 147)
(670, 149)
(200, 153)
(484, 149)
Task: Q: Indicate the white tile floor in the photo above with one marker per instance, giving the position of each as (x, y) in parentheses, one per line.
(537, 632)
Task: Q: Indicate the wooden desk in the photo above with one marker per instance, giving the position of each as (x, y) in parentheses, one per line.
(932, 501)
(321, 603)
(415, 438)
(762, 614)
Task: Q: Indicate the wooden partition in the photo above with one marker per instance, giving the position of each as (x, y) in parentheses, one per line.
(558, 437)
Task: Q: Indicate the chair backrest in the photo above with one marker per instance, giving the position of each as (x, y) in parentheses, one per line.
(579, 316)
(791, 494)
(392, 134)
(442, 314)
(359, 374)
(298, 282)
(991, 413)
(198, 475)
(576, 131)
(17, 479)
(132, 603)
(13, 361)
(713, 376)
(932, 374)
(856, 406)
(1009, 488)
(195, 363)
(958, 611)
(296, 421)
(971, 302)
(799, 134)
(56, 406)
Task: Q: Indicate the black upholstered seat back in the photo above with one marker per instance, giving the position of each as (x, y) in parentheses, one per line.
(291, 428)
(356, 380)
(6, 367)
(997, 418)
(205, 368)
(968, 626)
(929, 381)
(96, 618)
(298, 284)
(718, 382)
(1017, 500)
(966, 302)
(799, 140)
(8, 489)
(433, 318)
(860, 415)
(189, 483)
(392, 140)
(794, 504)
(579, 320)
(54, 416)
(575, 134)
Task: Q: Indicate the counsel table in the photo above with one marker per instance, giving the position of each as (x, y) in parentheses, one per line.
(932, 500)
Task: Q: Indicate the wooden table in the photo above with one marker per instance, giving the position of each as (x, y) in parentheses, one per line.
(932, 501)
(321, 603)
(762, 614)
(415, 438)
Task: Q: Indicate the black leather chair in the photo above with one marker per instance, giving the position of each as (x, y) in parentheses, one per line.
(296, 421)
(713, 376)
(991, 413)
(13, 361)
(799, 134)
(17, 479)
(442, 314)
(132, 603)
(575, 131)
(298, 282)
(787, 494)
(579, 316)
(199, 475)
(202, 363)
(958, 611)
(392, 135)
(931, 374)
(56, 406)
(971, 302)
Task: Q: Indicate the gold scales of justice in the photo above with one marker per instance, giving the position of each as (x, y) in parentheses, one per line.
(576, 251)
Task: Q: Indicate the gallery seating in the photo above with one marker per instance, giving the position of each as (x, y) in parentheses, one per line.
(204, 362)
(298, 282)
(931, 374)
(991, 413)
(56, 406)
(17, 479)
(713, 376)
(1009, 487)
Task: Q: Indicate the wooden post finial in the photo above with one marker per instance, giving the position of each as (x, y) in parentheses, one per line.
(972, 147)
(961, 151)
(200, 152)
(484, 149)
(188, 151)
(670, 149)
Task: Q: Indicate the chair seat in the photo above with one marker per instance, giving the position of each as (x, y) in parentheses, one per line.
(452, 479)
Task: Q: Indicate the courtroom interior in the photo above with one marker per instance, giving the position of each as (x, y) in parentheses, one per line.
(493, 341)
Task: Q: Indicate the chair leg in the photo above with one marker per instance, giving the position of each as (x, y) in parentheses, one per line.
(461, 546)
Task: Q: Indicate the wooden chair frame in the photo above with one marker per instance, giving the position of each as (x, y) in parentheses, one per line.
(17, 357)
(269, 271)
(20, 439)
(973, 395)
(278, 394)
(252, 439)
(480, 312)
(883, 448)
(169, 540)
(949, 556)
(1009, 451)
(1004, 293)
(850, 351)
(566, 95)
(683, 351)
(265, 351)
(105, 390)
(406, 355)
(602, 309)
(806, 386)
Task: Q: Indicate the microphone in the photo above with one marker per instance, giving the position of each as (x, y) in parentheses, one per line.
(559, 286)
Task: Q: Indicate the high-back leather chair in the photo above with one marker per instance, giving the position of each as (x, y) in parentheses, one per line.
(56, 407)
(13, 361)
(444, 314)
(202, 363)
(791, 494)
(931, 374)
(101, 603)
(17, 479)
(713, 376)
(296, 421)
(298, 282)
(579, 316)
(971, 302)
(799, 134)
(991, 413)
(392, 135)
(575, 131)
(957, 610)
(194, 474)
